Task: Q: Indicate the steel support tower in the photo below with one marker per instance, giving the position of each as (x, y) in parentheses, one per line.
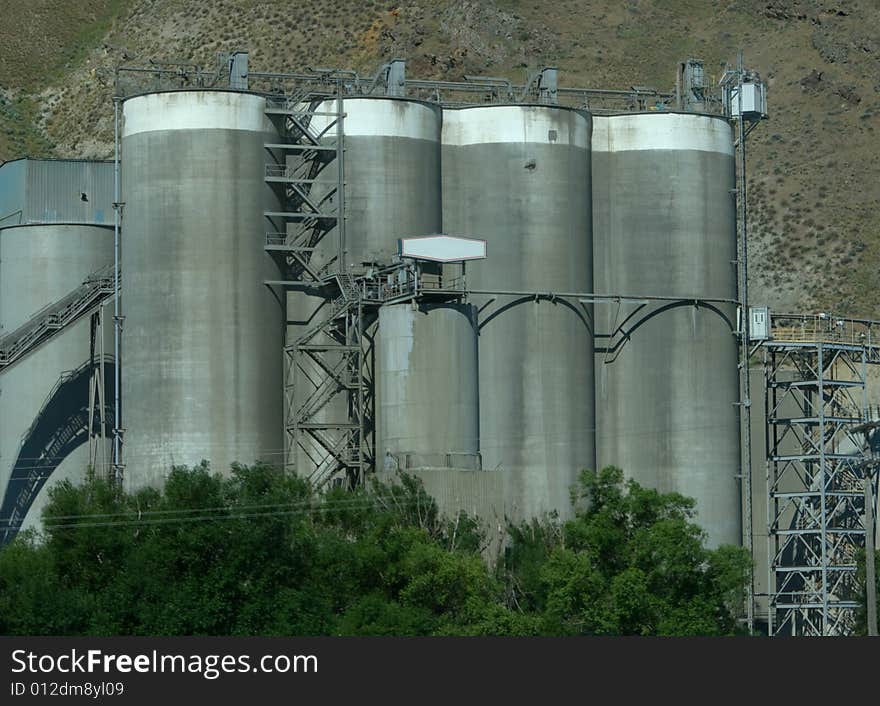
(815, 402)
(324, 362)
(330, 366)
(327, 364)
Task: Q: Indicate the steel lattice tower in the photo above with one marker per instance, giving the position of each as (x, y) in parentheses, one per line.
(815, 375)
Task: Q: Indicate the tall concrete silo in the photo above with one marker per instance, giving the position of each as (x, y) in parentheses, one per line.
(518, 176)
(426, 386)
(203, 335)
(667, 387)
(392, 189)
(392, 174)
(44, 395)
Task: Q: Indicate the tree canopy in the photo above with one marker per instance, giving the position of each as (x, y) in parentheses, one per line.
(259, 552)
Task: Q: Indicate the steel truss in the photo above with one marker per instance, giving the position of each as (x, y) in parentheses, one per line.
(328, 390)
(329, 384)
(815, 400)
(319, 365)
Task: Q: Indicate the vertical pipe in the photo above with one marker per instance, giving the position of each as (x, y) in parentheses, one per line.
(769, 470)
(745, 401)
(870, 571)
(103, 416)
(340, 186)
(117, 322)
(361, 368)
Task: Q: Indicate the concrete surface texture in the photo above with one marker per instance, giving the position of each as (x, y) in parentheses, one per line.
(203, 335)
(666, 387)
(519, 177)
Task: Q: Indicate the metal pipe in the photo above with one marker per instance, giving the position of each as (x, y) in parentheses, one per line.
(117, 322)
(340, 176)
(870, 571)
(600, 297)
(821, 433)
(745, 398)
(769, 449)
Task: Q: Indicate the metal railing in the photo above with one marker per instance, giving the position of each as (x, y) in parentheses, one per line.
(410, 460)
(56, 316)
(824, 328)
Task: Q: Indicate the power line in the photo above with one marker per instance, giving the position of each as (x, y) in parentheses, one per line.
(334, 507)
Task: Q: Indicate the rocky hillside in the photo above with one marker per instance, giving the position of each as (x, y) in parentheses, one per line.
(815, 196)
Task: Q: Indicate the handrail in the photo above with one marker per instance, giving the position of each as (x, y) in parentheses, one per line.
(824, 328)
(97, 287)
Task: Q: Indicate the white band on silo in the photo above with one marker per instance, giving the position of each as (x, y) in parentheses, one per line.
(380, 117)
(515, 123)
(194, 110)
(662, 131)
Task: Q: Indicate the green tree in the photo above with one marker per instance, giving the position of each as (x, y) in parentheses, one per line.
(260, 552)
(631, 562)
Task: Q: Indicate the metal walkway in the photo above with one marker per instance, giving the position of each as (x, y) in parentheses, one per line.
(54, 318)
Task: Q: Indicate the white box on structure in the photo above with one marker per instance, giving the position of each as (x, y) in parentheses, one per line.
(754, 101)
(759, 323)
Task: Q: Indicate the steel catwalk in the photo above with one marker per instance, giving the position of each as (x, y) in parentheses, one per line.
(519, 177)
(202, 338)
(667, 387)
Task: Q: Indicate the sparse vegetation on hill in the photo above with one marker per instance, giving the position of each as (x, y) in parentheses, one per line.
(814, 193)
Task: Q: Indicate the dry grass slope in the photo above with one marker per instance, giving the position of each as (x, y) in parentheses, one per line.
(814, 195)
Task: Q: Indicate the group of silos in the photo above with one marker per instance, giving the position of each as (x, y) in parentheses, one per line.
(541, 387)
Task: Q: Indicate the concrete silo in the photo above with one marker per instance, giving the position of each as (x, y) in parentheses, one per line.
(666, 385)
(392, 175)
(203, 335)
(518, 176)
(47, 391)
(53, 237)
(392, 189)
(426, 386)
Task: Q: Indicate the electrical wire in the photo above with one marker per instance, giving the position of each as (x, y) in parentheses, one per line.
(295, 509)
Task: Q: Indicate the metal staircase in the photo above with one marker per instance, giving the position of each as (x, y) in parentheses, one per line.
(54, 318)
(327, 395)
(308, 213)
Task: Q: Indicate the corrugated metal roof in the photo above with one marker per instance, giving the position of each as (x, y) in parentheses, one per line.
(56, 191)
